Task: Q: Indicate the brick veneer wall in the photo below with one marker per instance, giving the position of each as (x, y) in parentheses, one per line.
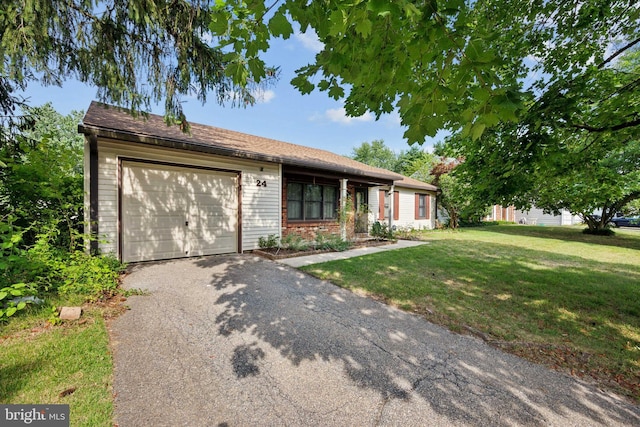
(308, 230)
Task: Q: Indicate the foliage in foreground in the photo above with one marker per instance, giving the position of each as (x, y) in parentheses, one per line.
(553, 295)
(41, 203)
(458, 64)
(136, 53)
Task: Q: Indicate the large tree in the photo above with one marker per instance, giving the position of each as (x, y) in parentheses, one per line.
(414, 162)
(135, 52)
(570, 151)
(456, 64)
(375, 153)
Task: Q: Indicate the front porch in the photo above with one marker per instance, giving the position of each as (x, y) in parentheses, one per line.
(317, 203)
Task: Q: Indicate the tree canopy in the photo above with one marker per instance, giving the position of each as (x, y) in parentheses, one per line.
(552, 161)
(136, 52)
(414, 162)
(458, 64)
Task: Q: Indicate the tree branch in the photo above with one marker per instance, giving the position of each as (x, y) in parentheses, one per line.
(628, 198)
(619, 52)
(619, 126)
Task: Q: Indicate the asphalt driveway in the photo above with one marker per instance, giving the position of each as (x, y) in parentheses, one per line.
(242, 341)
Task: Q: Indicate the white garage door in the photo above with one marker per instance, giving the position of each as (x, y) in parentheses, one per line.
(174, 212)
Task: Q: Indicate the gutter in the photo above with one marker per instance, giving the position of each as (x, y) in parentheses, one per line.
(227, 152)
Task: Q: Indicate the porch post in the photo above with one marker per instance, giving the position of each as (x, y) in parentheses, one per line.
(391, 207)
(343, 204)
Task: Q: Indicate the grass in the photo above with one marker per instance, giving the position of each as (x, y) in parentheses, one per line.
(65, 364)
(550, 294)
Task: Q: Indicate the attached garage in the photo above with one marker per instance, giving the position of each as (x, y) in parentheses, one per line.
(173, 211)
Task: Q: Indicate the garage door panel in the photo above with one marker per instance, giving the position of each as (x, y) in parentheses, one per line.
(172, 212)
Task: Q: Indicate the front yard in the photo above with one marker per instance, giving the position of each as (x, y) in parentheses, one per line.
(549, 294)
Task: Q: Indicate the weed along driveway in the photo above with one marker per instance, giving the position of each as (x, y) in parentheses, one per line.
(241, 341)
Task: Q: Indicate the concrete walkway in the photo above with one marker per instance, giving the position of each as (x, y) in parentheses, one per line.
(238, 340)
(332, 256)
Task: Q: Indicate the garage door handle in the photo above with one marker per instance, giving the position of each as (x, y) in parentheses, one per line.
(186, 223)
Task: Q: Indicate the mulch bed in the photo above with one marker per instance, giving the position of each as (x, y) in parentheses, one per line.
(281, 253)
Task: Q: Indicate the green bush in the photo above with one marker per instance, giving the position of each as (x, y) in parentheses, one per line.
(331, 242)
(407, 233)
(381, 230)
(41, 202)
(72, 272)
(271, 241)
(599, 232)
(294, 242)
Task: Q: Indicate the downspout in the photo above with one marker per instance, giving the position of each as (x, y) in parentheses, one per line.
(343, 205)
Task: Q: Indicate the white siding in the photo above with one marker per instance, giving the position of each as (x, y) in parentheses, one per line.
(538, 217)
(406, 219)
(260, 204)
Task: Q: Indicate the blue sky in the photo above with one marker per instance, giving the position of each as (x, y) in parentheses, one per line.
(284, 114)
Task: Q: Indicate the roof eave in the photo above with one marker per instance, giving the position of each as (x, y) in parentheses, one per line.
(211, 149)
(426, 187)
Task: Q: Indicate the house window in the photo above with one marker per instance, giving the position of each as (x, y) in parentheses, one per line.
(422, 206)
(384, 205)
(311, 201)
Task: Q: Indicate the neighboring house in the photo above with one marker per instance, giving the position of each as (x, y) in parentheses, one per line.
(153, 192)
(499, 213)
(534, 216)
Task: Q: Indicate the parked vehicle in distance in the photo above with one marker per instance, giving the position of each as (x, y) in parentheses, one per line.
(626, 221)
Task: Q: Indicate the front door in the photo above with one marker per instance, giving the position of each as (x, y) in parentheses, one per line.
(362, 211)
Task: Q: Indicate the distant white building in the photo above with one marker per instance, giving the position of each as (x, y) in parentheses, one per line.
(533, 216)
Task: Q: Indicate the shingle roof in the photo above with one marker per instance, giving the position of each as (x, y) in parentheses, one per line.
(407, 182)
(113, 122)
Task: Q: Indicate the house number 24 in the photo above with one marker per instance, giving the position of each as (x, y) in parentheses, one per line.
(261, 183)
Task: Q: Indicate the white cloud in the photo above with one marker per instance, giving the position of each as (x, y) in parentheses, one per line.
(264, 96)
(339, 115)
(309, 40)
(261, 96)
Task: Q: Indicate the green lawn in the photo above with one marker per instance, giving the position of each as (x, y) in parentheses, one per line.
(550, 294)
(64, 364)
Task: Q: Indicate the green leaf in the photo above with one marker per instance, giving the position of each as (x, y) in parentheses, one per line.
(363, 28)
(3, 295)
(256, 66)
(337, 23)
(237, 72)
(412, 11)
(21, 305)
(303, 84)
(336, 92)
(219, 24)
(324, 84)
(380, 7)
(491, 119)
(279, 25)
(477, 130)
(466, 130)
(10, 311)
